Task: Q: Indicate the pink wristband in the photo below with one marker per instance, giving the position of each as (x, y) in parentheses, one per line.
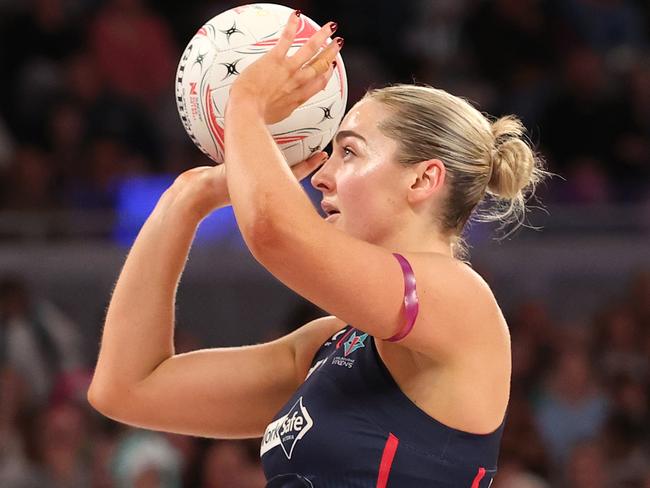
(411, 303)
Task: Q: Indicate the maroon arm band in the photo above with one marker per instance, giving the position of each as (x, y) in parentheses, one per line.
(411, 303)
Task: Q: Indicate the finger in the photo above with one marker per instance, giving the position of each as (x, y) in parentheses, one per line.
(322, 62)
(313, 45)
(312, 86)
(287, 35)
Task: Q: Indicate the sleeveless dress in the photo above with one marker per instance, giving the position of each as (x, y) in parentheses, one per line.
(350, 425)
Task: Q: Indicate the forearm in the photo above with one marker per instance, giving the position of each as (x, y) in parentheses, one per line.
(139, 330)
(265, 195)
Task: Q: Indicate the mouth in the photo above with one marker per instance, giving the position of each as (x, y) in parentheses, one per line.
(332, 214)
(329, 208)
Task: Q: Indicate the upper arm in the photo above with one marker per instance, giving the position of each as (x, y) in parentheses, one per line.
(363, 284)
(231, 392)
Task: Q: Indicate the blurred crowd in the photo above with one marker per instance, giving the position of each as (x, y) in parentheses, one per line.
(86, 96)
(86, 101)
(579, 414)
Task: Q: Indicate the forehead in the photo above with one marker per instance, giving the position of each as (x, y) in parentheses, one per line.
(364, 118)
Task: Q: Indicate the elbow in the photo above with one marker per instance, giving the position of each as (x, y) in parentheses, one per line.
(262, 236)
(106, 400)
(98, 398)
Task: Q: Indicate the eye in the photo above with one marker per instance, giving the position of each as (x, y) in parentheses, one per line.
(347, 150)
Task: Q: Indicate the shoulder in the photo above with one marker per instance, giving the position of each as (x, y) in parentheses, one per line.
(456, 306)
(436, 273)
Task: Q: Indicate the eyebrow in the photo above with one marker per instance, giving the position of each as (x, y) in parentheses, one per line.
(348, 133)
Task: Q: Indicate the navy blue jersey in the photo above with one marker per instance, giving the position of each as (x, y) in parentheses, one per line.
(350, 425)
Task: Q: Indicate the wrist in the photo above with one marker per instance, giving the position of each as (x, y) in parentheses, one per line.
(243, 99)
(179, 206)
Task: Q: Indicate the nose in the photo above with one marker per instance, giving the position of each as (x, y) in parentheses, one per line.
(323, 179)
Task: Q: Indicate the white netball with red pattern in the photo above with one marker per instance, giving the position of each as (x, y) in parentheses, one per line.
(220, 50)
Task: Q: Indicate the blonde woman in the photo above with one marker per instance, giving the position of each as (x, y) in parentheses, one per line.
(406, 384)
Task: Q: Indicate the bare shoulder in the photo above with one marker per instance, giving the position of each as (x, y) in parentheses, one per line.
(457, 306)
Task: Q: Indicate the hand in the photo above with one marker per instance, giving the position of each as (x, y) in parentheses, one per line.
(204, 189)
(277, 84)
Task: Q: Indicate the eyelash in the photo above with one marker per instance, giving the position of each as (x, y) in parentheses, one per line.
(347, 148)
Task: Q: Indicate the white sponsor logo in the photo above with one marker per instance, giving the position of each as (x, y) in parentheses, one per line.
(287, 430)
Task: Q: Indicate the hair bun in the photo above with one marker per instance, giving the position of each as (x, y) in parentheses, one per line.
(512, 159)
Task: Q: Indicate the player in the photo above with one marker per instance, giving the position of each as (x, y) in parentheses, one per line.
(406, 384)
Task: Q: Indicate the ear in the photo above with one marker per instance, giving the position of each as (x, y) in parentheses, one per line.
(428, 178)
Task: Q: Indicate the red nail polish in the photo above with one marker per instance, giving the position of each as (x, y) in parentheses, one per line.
(339, 41)
(297, 12)
(333, 26)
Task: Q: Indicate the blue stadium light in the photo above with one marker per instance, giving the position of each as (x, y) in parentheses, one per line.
(137, 197)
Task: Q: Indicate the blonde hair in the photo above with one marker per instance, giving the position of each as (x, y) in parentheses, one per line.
(486, 162)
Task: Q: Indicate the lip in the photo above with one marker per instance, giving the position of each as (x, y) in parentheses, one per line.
(332, 216)
(328, 208)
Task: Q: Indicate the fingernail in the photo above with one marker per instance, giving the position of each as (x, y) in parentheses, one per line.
(334, 63)
(333, 26)
(324, 158)
(297, 12)
(339, 41)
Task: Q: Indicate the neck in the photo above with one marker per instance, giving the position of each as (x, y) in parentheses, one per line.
(419, 241)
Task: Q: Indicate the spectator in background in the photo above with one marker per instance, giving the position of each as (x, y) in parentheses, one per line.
(633, 147)
(586, 466)
(232, 464)
(135, 51)
(512, 476)
(638, 298)
(646, 480)
(106, 112)
(574, 133)
(522, 448)
(16, 470)
(571, 407)
(29, 183)
(62, 444)
(189, 451)
(534, 336)
(37, 341)
(36, 74)
(605, 25)
(145, 459)
(6, 146)
(627, 431)
(107, 163)
(619, 349)
(511, 43)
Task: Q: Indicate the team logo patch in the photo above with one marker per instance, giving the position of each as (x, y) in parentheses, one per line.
(350, 344)
(353, 343)
(287, 430)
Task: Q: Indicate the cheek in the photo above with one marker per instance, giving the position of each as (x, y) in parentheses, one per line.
(362, 196)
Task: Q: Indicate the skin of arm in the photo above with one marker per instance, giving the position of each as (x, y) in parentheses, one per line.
(138, 333)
